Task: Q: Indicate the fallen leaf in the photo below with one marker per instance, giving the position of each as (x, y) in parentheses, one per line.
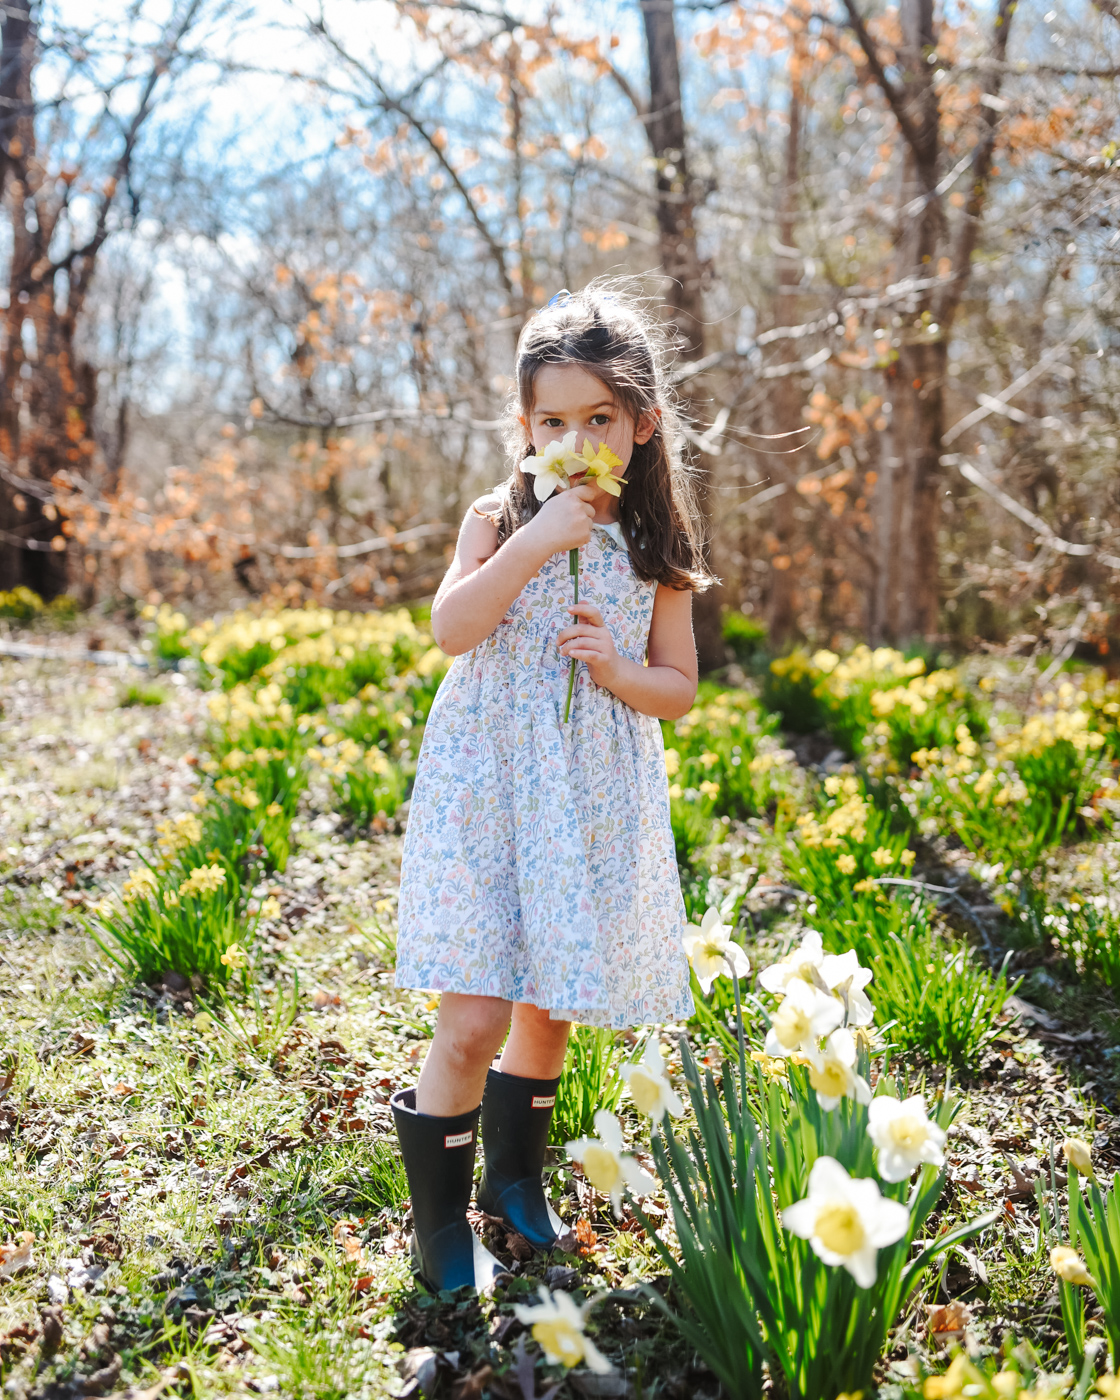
(16, 1255)
(947, 1321)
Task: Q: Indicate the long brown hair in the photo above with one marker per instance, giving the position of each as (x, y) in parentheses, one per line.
(604, 330)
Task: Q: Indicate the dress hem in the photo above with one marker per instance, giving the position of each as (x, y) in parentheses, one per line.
(581, 1015)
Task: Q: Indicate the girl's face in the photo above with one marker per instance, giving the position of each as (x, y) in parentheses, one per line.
(567, 398)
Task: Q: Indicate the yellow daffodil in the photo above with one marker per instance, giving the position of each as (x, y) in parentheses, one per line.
(672, 762)
(273, 809)
(882, 856)
(1109, 1387)
(846, 864)
(558, 1325)
(270, 909)
(600, 465)
(141, 884)
(171, 899)
(234, 957)
(952, 1385)
(550, 466)
(203, 879)
(1070, 1266)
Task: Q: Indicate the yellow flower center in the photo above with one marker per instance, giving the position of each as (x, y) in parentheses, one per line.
(560, 1340)
(601, 1168)
(791, 1025)
(908, 1132)
(840, 1229)
(831, 1079)
(645, 1091)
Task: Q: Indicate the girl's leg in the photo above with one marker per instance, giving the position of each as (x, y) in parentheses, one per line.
(536, 1045)
(516, 1116)
(437, 1124)
(469, 1032)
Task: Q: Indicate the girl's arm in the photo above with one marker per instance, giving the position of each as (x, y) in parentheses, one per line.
(483, 580)
(666, 686)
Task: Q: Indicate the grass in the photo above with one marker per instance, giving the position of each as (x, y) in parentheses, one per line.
(238, 1181)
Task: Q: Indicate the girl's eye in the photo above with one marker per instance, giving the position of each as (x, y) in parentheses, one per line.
(599, 419)
(554, 422)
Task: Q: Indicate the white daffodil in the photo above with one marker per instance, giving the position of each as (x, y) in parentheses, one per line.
(904, 1136)
(710, 950)
(649, 1087)
(805, 1015)
(802, 963)
(846, 1220)
(606, 1166)
(550, 466)
(832, 1073)
(843, 976)
(557, 1324)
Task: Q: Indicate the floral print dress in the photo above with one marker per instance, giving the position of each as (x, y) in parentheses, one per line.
(539, 863)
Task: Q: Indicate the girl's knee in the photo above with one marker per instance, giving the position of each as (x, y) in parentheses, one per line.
(472, 1028)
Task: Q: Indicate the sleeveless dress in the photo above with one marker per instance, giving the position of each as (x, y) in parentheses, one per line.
(538, 862)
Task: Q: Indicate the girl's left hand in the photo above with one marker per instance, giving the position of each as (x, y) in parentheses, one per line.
(590, 641)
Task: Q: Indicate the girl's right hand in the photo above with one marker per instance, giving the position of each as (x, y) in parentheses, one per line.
(564, 521)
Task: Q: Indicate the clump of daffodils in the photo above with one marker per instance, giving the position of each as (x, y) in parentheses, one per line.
(178, 834)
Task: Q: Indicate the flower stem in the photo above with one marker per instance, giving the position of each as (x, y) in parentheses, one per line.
(573, 569)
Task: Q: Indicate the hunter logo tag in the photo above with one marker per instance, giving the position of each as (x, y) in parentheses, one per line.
(543, 1100)
(458, 1139)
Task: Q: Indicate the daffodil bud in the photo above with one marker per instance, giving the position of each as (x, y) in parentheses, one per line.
(1070, 1267)
(1077, 1153)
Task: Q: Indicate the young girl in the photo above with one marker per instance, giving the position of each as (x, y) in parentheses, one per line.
(539, 883)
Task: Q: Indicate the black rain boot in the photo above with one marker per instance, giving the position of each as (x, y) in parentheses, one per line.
(439, 1161)
(516, 1115)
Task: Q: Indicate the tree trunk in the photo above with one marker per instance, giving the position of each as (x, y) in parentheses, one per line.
(911, 605)
(786, 401)
(680, 262)
(27, 452)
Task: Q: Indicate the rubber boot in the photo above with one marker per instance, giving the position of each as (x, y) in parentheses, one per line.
(516, 1115)
(439, 1161)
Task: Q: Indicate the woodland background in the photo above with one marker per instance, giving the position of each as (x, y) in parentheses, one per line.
(262, 269)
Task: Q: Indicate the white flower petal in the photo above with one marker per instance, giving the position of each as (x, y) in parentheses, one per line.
(863, 1266)
(609, 1129)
